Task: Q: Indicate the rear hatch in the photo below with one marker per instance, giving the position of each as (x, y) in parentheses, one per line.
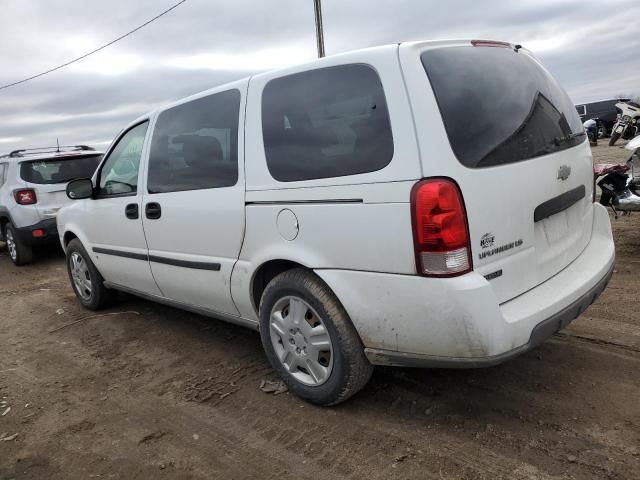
(49, 178)
(520, 157)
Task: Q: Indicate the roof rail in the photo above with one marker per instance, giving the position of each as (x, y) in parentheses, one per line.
(37, 151)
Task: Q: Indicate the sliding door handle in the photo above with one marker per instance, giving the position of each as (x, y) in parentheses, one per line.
(153, 211)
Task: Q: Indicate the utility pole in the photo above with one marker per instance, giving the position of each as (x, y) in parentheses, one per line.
(319, 33)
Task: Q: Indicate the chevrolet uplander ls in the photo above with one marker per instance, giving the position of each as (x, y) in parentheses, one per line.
(426, 204)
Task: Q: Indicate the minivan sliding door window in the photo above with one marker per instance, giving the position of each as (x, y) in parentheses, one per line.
(195, 145)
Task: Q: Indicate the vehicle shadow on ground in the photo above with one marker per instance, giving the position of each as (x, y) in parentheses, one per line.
(49, 253)
(45, 255)
(531, 388)
(521, 390)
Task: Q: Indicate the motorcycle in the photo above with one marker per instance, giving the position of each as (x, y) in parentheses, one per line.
(620, 183)
(627, 122)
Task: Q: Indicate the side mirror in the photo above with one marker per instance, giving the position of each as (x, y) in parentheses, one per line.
(79, 189)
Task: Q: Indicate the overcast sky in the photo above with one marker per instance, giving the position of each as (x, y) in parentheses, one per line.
(591, 46)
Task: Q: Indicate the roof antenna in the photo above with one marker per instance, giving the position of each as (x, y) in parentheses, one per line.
(58, 143)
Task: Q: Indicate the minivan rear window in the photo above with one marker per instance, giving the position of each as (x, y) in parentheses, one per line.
(499, 105)
(328, 122)
(59, 170)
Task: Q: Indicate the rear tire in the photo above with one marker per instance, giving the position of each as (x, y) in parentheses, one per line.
(19, 253)
(614, 138)
(310, 340)
(86, 281)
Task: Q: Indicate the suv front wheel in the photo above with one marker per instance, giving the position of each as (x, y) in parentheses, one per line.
(87, 283)
(310, 340)
(19, 253)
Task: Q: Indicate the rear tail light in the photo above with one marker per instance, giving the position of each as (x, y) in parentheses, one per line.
(39, 233)
(440, 231)
(25, 197)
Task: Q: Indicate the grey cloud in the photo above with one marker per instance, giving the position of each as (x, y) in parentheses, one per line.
(597, 61)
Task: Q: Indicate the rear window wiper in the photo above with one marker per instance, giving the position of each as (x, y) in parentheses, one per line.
(567, 138)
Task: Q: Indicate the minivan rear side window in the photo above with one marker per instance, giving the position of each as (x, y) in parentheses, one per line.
(328, 122)
(195, 145)
(499, 105)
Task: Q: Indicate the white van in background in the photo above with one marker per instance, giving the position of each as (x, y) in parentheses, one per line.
(427, 204)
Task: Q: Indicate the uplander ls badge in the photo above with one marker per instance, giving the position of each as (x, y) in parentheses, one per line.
(487, 240)
(563, 172)
(500, 249)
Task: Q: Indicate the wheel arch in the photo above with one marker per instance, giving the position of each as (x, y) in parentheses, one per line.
(68, 236)
(72, 232)
(4, 219)
(266, 272)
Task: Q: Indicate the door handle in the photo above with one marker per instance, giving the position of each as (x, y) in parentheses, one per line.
(131, 211)
(153, 211)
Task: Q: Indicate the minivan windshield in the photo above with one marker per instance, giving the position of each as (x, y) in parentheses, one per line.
(500, 105)
(59, 170)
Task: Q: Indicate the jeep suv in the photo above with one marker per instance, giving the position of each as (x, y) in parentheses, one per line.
(350, 211)
(32, 190)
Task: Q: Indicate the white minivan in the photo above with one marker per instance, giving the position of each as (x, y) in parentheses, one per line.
(426, 204)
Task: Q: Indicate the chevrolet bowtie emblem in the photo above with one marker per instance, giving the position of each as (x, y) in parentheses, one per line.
(563, 172)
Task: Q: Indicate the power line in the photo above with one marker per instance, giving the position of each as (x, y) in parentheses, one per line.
(93, 51)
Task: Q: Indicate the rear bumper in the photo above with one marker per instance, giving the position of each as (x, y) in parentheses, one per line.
(540, 333)
(49, 229)
(407, 320)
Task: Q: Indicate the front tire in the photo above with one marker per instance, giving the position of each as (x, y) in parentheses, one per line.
(614, 138)
(310, 340)
(19, 253)
(86, 281)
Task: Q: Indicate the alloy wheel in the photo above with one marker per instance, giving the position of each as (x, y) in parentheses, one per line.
(11, 245)
(81, 276)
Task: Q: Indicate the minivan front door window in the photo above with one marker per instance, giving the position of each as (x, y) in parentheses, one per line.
(119, 174)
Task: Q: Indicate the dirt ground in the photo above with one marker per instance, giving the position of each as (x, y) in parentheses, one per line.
(153, 392)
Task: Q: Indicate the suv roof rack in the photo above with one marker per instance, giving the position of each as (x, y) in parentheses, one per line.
(38, 151)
